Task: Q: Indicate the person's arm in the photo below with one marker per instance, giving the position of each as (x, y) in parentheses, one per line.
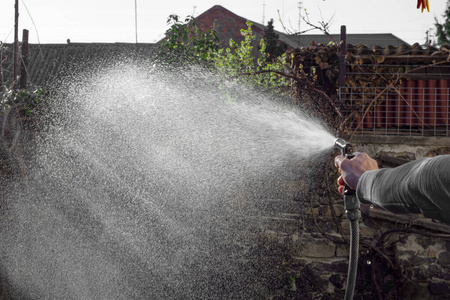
(421, 186)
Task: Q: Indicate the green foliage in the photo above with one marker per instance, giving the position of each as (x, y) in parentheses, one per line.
(443, 30)
(186, 43)
(240, 60)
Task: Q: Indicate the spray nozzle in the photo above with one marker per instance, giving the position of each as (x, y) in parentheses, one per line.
(345, 147)
(346, 150)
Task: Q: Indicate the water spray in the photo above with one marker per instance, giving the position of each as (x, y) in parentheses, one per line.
(353, 213)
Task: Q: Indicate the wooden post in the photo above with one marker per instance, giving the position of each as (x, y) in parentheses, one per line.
(342, 54)
(16, 41)
(24, 60)
(2, 82)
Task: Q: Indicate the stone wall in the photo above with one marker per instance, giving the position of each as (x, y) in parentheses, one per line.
(305, 240)
(391, 151)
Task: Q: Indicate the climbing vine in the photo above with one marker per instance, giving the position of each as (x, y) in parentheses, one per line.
(17, 112)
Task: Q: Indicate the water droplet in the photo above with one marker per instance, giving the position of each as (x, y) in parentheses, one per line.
(371, 206)
(368, 262)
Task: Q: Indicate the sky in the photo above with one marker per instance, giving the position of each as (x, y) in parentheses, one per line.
(89, 21)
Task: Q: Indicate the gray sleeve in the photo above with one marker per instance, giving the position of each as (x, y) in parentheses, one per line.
(421, 186)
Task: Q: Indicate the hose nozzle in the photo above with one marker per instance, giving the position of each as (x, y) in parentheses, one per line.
(345, 147)
(346, 150)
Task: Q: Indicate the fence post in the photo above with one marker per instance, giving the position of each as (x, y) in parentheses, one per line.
(24, 60)
(342, 54)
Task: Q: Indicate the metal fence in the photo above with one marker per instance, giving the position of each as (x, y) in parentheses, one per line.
(418, 105)
(415, 108)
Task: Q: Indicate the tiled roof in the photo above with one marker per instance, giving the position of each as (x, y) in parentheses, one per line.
(369, 40)
(401, 50)
(228, 25)
(49, 61)
(281, 36)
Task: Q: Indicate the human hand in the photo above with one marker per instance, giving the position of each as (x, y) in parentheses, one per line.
(352, 169)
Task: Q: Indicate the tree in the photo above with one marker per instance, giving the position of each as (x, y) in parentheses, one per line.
(185, 42)
(273, 49)
(443, 30)
(239, 61)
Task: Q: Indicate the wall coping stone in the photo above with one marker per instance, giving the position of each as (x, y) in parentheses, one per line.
(401, 140)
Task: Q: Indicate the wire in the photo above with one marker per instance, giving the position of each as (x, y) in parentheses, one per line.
(35, 28)
(32, 20)
(12, 28)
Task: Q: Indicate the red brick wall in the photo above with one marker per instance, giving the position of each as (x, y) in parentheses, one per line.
(227, 24)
